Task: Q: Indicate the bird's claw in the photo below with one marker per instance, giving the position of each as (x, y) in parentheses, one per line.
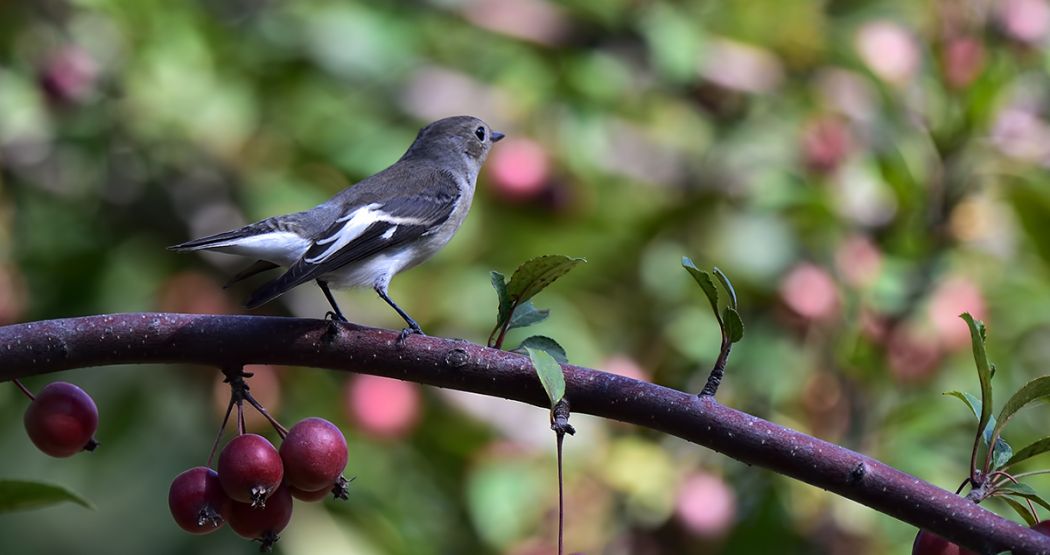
(335, 317)
(407, 332)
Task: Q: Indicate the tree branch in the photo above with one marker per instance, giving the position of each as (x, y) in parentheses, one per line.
(222, 341)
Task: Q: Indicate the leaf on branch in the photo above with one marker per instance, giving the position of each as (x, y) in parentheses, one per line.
(984, 371)
(20, 495)
(1031, 391)
(1022, 490)
(531, 277)
(1037, 448)
(1003, 451)
(703, 279)
(1021, 509)
(727, 285)
(536, 274)
(499, 283)
(526, 314)
(734, 325)
(550, 374)
(546, 344)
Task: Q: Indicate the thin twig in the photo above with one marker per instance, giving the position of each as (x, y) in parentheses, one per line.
(561, 496)
(281, 430)
(715, 378)
(222, 428)
(25, 390)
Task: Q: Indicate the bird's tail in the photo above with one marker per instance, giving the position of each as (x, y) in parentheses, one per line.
(212, 241)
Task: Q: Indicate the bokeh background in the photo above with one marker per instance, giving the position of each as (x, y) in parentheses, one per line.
(864, 170)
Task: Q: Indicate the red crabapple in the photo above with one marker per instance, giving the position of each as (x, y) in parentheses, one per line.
(928, 543)
(314, 454)
(61, 420)
(250, 469)
(262, 523)
(197, 501)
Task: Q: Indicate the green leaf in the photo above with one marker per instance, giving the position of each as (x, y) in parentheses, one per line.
(703, 279)
(499, 283)
(973, 402)
(19, 495)
(546, 344)
(536, 274)
(1021, 509)
(1035, 389)
(550, 374)
(1037, 448)
(1017, 489)
(734, 325)
(727, 285)
(984, 372)
(1003, 451)
(526, 314)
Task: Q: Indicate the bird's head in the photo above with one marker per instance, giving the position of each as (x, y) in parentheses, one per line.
(456, 138)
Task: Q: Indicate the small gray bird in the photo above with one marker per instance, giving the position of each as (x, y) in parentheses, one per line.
(387, 223)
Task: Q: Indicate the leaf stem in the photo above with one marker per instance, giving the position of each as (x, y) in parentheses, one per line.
(506, 326)
(1031, 473)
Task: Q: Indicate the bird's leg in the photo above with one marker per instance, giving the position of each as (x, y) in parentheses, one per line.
(413, 327)
(335, 313)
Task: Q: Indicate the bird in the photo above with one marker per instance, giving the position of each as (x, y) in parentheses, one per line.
(364, 235)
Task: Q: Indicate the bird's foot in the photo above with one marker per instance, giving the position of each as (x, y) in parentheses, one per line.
(411, 330)
(333, 319)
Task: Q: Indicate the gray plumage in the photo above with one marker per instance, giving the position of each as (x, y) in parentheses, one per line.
(369, 232)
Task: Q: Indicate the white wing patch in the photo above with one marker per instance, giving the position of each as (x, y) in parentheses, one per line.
(355, 224)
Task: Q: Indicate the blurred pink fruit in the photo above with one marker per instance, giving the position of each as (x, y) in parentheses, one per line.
(68, 75)
(889, 50)
(519, 169)
(706, 506)
(858, 260)
(624, 366)
(193, 293)
(382, 407)
(951, 298)
(1024, 20)
(963, 60)
(826, 142)
(810, 292)
(911, 358)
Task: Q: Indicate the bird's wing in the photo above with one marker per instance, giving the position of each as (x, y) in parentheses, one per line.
(363, 232)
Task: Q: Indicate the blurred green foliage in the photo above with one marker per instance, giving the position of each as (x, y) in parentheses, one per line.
(864, 170)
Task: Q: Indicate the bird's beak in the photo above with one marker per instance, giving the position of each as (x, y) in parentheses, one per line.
(496, 136)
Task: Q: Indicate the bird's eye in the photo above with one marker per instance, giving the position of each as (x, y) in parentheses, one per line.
(480, 134)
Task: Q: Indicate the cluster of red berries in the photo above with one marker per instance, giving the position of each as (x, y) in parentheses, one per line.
(61, 420)
(254, 485)
(928, 543)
